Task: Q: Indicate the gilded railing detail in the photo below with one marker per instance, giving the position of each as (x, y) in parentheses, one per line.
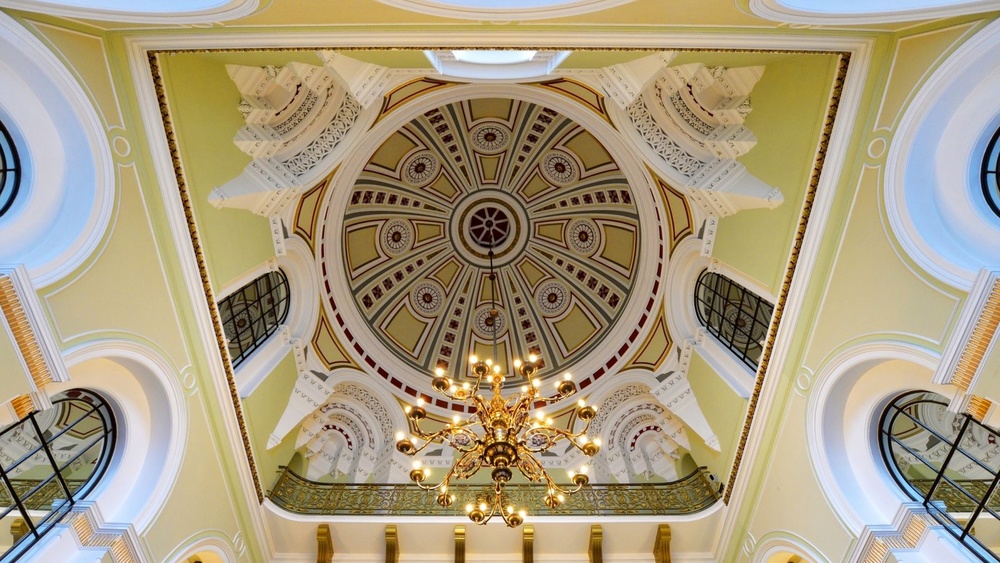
(302, 496)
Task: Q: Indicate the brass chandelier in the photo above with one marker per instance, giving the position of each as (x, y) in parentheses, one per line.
(501, 434)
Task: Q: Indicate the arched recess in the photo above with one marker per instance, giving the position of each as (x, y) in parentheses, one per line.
(210, 546)
(840, 12)
(148, 402)
(851, 391)
(686, 265)
(782, 547)
(303, 281)
(141, 11)
(352, 428)
(67, 188)
(933, 195)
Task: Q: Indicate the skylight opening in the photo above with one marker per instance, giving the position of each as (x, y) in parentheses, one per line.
(494, 57)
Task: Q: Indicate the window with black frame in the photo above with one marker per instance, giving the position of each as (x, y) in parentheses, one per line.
(948, 462)
(49, 461)
(737, 317)
(988, 174)
(253, 313)
(10, 170)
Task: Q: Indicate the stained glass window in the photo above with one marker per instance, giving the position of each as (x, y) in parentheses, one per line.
(10, 170)
(737, 317)
(253, 313)
(50, 460)
(950, 463)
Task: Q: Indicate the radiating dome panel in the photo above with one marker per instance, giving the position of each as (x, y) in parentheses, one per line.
(501, 175)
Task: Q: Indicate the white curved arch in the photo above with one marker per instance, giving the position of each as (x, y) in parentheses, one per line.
(637, 176)
(851, 391)
(834, 12)
(67, 190)
(140, 11)
(775, 543)
(211, 541)
(933, 197)
(504, 10)
(152, 421)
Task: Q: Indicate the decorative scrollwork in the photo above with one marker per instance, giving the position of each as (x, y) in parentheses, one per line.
(582, 236)
(420, 169)
(484, 324)
(397, 236)
(427, 297)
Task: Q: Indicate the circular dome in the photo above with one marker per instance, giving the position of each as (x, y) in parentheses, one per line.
(499, 176)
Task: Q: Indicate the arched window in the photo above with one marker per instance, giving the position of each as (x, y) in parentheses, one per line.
(253, 313)
(988, 175)
(733, 314)
(49, 460)
(10, 170)
(950, 463)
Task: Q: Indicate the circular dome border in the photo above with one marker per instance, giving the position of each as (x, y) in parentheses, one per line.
(631, 325)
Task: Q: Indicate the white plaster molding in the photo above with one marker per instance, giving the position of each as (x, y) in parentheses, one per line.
(854, 12)
(932, 193)
(212, 541)
(300, 120)
(68, 174)
(782, 542)
(675, 394)
(365, 81)
(514, 10)
(192, 291)
(141, 11)
(624, 82)
(838, 146)
(33, 311)
(142, 388)
(849, 394)
(542, 63)
(985, 285)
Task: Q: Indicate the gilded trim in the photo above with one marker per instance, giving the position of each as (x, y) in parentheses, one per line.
(220, 337)
(979, 341)
(24, 335)
(793, 259)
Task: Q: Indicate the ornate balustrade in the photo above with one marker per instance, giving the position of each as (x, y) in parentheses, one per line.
(687, 495)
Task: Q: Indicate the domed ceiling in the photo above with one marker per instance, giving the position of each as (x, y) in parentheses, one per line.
(539, 189)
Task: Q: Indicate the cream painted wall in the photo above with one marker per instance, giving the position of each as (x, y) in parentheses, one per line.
(863, 290)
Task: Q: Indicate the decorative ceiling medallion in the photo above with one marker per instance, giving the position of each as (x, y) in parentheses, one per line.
(420, 169)
(562, 220)
(560, 169)
(490, 138)
(397, 236)
(552, 298)
(582, 236)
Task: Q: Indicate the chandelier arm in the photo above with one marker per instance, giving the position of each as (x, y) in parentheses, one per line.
(531, 468)
(463, 430)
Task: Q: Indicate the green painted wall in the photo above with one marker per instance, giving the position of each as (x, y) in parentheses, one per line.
(724, 410)
(203, 102)
(262, 410)
(787, 119)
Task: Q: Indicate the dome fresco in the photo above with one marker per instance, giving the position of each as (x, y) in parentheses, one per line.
(521, 179)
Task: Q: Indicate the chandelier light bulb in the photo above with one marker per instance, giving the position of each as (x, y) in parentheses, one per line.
(517, 363)
(452, 389)
(536, 382)
(584, 439)
(584, 469)
(510, 509)
(581, 403)
(407, 409)
(482, 506)
(420, 401)
(571, 473)
(567, 376)
(548, 421)
(455, 419)
(466, 386)
(532, 358)
(496, 368)
(489, 362)
(400, 435)
(439, 371)
(468, 508)
(524, 388)
(597, 441)
(473, 359)
(416, 464)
